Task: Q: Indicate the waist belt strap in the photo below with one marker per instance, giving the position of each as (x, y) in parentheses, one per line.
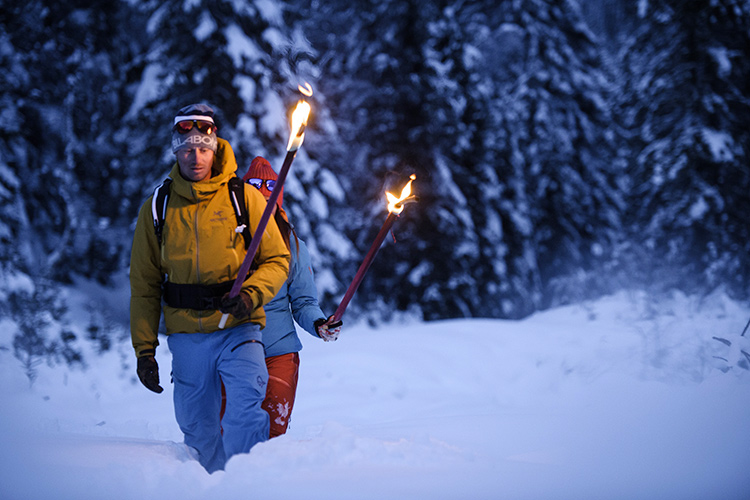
(199, 297)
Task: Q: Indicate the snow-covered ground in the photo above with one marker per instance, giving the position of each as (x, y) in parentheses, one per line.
(615, 399)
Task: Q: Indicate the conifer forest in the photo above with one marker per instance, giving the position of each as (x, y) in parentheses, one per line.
(563, 149)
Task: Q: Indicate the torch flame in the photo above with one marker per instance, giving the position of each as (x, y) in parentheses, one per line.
(299, 119)
(299, 122)
(395, 205)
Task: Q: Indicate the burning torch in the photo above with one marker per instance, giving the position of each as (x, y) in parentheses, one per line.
(395, 207)
(296, 136)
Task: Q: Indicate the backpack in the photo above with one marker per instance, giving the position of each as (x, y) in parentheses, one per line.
(236, 196)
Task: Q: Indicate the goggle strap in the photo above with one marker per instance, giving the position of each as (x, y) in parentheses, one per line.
(178, 119)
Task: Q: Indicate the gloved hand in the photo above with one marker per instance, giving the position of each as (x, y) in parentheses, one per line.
(148, 372)
(239, 306)
(327, 329)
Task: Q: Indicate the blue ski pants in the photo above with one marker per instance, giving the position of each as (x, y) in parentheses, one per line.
(200, 362)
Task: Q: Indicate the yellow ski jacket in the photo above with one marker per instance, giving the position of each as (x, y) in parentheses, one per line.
(200, 246)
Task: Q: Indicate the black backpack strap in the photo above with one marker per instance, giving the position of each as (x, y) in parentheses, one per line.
(159, 206)
(237, 197)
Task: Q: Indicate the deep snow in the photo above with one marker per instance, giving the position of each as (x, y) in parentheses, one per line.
(615, 399)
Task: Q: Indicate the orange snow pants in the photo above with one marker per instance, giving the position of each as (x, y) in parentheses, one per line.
(283, 373)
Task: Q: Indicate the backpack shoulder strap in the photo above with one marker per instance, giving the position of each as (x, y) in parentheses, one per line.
(159, 206)
(237, 197)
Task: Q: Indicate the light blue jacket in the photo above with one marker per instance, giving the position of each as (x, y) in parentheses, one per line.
(299, 293)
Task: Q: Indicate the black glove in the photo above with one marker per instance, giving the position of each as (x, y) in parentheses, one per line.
(238, 306)
(148, 372)
(327, 329)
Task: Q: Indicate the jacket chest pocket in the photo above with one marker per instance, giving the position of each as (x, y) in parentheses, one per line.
(227, 239)
(219, 226)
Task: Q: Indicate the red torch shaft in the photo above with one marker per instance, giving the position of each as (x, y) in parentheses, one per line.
(365, 266)
(259, 230)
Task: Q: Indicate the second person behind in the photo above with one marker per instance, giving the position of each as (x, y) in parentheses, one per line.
(296, 301)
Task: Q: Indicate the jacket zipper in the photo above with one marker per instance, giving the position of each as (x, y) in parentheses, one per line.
(197, 257)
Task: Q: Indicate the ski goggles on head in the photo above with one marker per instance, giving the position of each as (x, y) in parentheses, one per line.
(257, 183)
(185, 126)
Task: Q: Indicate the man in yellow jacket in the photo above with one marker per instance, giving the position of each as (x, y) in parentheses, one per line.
(186, 275)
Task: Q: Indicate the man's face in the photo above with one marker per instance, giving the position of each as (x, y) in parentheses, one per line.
(195, 163)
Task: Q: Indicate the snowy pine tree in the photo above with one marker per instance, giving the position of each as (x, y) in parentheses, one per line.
(556, 134)
(686, 108)
(59, 95)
